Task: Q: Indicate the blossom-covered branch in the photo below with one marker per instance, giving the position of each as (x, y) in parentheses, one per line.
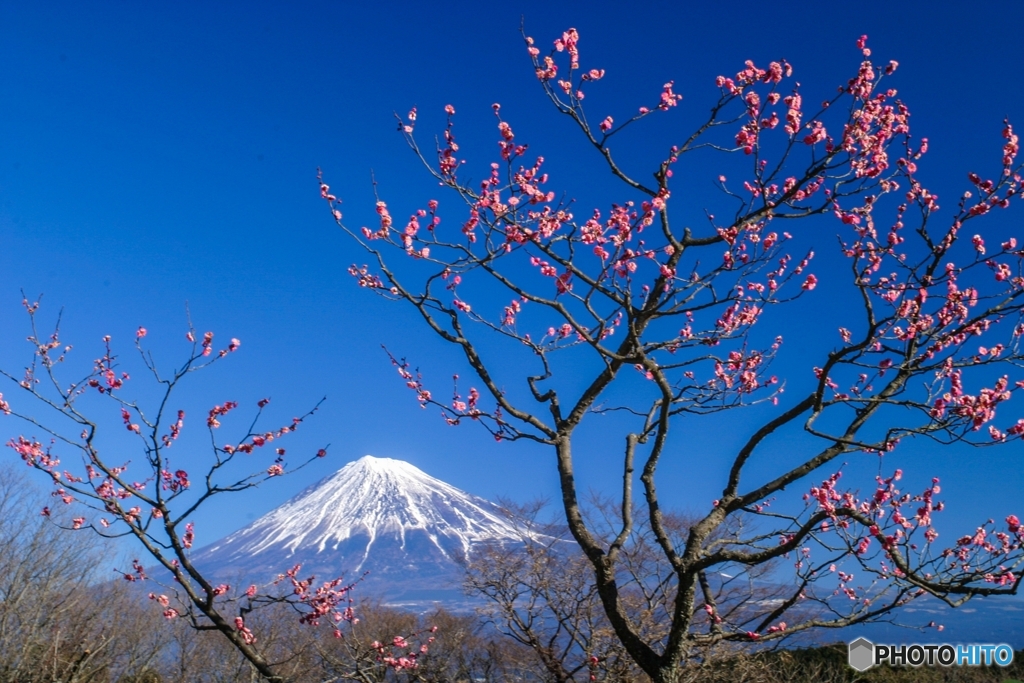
(688, 321)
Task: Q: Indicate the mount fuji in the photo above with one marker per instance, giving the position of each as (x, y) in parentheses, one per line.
(405, 530)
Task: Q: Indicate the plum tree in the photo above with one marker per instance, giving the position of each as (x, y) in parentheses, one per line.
(155, 502)
(562, 314)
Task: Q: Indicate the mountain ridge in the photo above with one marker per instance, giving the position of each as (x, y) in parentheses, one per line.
(383, 516)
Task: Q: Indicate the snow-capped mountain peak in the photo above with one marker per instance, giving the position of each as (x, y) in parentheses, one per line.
(377, 514)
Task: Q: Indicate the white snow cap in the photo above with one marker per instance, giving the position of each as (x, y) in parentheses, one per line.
(373, 498)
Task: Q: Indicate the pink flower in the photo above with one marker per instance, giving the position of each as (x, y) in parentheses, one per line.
(606, 125)
(668, 98)
(247, 635)
(274, 471)
(141, 333)
(816, 135)
(810, 283)
(162, 599)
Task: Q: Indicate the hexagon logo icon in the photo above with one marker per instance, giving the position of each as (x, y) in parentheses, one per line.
(862, 654)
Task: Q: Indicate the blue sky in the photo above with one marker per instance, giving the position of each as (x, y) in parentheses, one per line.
(156, 155)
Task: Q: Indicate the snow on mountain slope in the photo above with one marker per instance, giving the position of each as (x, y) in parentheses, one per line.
(375, 515)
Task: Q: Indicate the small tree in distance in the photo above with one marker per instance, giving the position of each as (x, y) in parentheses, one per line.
(154, 501)
(674, 316)
(56, 624)
(541, 593)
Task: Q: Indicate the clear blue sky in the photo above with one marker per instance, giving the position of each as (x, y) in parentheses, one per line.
(153, 154)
